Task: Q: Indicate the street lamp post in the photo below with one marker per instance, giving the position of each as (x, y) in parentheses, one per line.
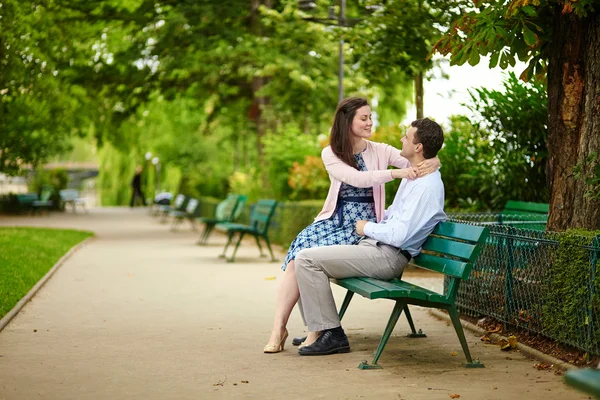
(341, 21)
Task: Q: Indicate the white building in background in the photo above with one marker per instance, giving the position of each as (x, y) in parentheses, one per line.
(12, 184)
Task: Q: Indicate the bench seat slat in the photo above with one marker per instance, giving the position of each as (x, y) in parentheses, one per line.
(365, 289)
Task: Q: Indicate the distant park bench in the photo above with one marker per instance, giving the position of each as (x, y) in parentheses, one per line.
(451, 250)
(227, 210)
(32, 202)
(190, 213)
(260, 218)
(71, 196)
(178, 205)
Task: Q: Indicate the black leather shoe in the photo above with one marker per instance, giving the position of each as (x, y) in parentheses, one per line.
(326, 344)
(297, 341)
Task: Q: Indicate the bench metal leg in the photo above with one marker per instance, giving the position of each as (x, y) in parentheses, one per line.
(206, 233)
(262, 254)
(396, 312)
(236, 247)
(414, 333)
(345, 304)
(229, 239)
(175, 224)
(270, 250)
(461, 337)
(193, 223)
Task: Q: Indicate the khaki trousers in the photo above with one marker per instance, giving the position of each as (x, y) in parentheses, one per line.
(315, 266)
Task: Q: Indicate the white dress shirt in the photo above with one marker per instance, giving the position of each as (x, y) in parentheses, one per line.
(416, 210)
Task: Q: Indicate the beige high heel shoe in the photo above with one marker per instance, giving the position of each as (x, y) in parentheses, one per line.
(276, 348)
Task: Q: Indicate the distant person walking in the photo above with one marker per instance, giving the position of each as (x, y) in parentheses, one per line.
(136, 184)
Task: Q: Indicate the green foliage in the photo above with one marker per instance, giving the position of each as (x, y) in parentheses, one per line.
(57, 178)
(589, 171)
(516, 120)
(27, 255)
(571, 303)
(291, 218)
(466, 160)
(114, 178)
(282, 149)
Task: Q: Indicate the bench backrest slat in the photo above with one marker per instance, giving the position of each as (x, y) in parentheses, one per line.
(68, 194)
(452, 248)
(179, 199)
(192, 206)
(27, 198)
(525, 207)
(261, 215)
(230, 208)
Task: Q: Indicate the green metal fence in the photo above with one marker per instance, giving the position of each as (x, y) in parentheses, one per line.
(545, 282)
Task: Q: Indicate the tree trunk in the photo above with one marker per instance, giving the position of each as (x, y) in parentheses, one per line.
(419, 94)
(573, 118)
(258, 102)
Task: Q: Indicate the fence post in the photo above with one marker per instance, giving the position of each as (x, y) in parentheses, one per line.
(510, 264)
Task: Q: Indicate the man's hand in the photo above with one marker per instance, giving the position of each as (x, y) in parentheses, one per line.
(360, 227)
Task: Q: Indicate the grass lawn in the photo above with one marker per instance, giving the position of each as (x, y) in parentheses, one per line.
(26, 255)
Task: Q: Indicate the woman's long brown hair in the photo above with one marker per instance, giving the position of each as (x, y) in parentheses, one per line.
(339, 139)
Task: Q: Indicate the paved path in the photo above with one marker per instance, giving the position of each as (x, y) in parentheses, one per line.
(144, 313)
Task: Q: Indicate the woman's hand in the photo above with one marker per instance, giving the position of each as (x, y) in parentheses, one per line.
(428, 166)
(410, 173)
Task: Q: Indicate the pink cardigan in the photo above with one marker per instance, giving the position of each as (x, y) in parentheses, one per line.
(377, 157)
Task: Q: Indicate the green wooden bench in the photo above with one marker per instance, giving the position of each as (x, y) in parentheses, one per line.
(71, 196)
(32, 202)
(585, 380)
(525, 207)
(227, 211)
(192, 209)
(260, 219)
(178, 205)
(524, 214)
(451, 249)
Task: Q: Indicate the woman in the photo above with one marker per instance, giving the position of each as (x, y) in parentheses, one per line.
(358, 172)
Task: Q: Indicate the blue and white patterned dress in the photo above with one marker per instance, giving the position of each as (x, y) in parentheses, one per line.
(329, 232)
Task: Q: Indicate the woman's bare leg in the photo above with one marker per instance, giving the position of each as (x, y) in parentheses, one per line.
(287, 297)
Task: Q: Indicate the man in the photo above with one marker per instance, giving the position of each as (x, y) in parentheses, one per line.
(384, 252)
(136, 186)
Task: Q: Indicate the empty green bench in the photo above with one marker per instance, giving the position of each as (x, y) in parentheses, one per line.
(227, 211)
(71, 196)
(32, 202)
(260, 218)
(191, 211)
(451, 250)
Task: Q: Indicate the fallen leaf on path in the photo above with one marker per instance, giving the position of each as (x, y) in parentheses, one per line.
(270, 278)
(455, 396)
(498, 328)
(453, 354)
(541, 366)
(245, 381)
(486, 339)
(508, 343)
